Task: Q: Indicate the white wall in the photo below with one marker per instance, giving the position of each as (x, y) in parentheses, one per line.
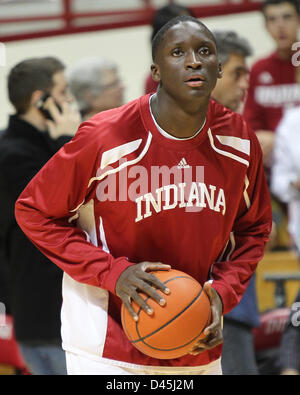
(129, 47)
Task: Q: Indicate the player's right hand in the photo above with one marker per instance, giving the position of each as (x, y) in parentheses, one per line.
(136, 279)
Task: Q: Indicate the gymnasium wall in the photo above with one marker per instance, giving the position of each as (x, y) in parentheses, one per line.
(129, 47)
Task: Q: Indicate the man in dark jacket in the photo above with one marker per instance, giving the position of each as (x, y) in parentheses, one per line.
(32, 137)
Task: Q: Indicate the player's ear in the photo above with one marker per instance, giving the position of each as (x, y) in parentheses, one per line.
(220, 70)
(155, 72)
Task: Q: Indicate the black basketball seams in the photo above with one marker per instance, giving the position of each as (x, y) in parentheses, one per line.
(142, 339)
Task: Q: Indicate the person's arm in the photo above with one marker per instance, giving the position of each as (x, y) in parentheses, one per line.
(254, 115)
(266, 139)
(285, 182)
(48, 202)
(46, 206)
(232, 272)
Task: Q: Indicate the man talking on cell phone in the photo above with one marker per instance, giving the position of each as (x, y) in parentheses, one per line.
(29, 141)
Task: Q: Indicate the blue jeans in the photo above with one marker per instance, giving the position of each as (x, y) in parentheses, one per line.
(238, 355)
(44, 359)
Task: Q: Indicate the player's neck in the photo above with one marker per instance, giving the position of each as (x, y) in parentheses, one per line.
(175, 119)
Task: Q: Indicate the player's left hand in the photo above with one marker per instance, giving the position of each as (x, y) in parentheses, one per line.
(213, 333)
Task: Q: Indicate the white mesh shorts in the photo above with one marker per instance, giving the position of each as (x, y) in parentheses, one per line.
(81, 365)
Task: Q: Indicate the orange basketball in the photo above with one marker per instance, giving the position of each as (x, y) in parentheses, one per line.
(171, 330)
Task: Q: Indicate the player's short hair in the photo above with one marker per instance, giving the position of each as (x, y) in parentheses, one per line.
(266, 3)
(175, 21)
(31, 75)
(165, 14)
(228, 42)
(88, 76)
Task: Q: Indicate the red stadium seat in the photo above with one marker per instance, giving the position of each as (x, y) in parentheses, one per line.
(10, 356)
(268, 335)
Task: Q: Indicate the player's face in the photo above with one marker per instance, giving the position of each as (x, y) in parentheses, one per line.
(232, 87)
(186, 63)
(282, 22)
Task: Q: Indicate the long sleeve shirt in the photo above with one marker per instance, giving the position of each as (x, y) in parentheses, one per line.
(121, 193)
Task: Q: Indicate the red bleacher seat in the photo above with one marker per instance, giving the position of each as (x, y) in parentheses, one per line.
(9, 351)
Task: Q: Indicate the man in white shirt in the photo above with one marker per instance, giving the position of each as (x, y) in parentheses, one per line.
(285, 183)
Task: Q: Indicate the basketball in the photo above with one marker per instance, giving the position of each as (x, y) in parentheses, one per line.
(172, 329)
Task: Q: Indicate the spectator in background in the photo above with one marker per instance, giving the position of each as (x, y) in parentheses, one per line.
(231, 89)
(274, 87)
(96, 85)
(285, 184)
(161, 17)
(274, 81)
(33, 135)
(238, 356)
(285, 180)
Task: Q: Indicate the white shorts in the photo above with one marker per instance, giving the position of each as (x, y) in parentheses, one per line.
(79, 365)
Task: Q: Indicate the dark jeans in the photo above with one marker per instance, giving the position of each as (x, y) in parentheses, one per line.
(44, 359)
(238, 356)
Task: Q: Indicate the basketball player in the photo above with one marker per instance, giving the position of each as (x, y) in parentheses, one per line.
(168, 180)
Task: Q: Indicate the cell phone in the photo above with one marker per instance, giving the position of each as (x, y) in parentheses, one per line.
(40, 105)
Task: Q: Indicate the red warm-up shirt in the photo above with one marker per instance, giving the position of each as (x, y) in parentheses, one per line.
(273, 88)
(121, 193)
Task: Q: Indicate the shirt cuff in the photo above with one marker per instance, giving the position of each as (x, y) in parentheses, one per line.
(117, 268)
(225, 295)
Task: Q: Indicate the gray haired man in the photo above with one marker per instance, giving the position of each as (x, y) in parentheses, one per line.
(96, 85)
(231, 89)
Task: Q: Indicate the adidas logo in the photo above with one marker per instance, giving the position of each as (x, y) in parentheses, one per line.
(183, 164)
